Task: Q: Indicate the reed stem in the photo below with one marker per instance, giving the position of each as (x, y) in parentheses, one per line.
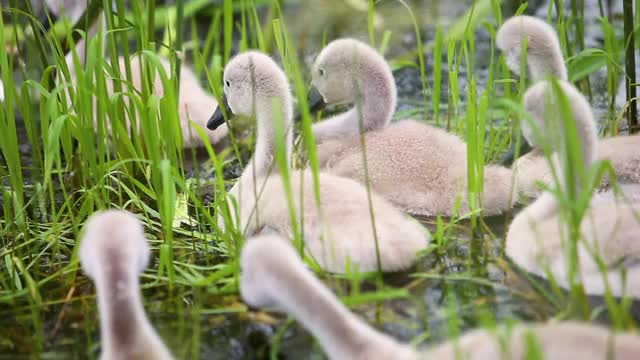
(630, 65)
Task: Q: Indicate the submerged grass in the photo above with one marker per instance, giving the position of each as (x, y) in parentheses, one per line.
(93, 140)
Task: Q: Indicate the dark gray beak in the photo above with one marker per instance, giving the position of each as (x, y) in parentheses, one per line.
(218, 117)
(315, 101)
(510, 157)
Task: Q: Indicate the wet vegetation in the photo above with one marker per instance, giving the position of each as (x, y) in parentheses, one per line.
(69, 145)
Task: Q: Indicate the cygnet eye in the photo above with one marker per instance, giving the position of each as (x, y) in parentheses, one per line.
(227, 83)
(321, 72)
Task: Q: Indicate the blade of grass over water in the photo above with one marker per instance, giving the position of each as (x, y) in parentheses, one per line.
(421, 55)
(437, 73)
(630, 65)
(9, 144)
(228, 28)
(478, 11)
(453, 65)
(358, 104)
(283, 162)
(370, 24)
(290, 66)
(613, 73)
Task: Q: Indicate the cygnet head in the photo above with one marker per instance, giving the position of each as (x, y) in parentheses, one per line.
(259, 255)
(544, 55)
(113, 253)
(542, 101)
(116, 230)
(71, 8)
(252, 80)
(343, 62)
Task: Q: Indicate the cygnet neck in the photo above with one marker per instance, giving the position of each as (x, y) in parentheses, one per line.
(123, 324)
(552, 64)
(340, 332)
(81, 45)
(377, 103)
(547, 204)
(263, 160)
(585, 130)
(378, 90)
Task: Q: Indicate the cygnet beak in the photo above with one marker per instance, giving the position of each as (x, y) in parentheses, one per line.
(315, 100)
(217, 118)
(510, 157)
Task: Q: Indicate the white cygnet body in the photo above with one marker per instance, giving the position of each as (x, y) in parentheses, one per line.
(113, 253)
(537, 239)
(274, 276)
(194, 103)
(337, 229)
(544, 57)
(419, 168)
